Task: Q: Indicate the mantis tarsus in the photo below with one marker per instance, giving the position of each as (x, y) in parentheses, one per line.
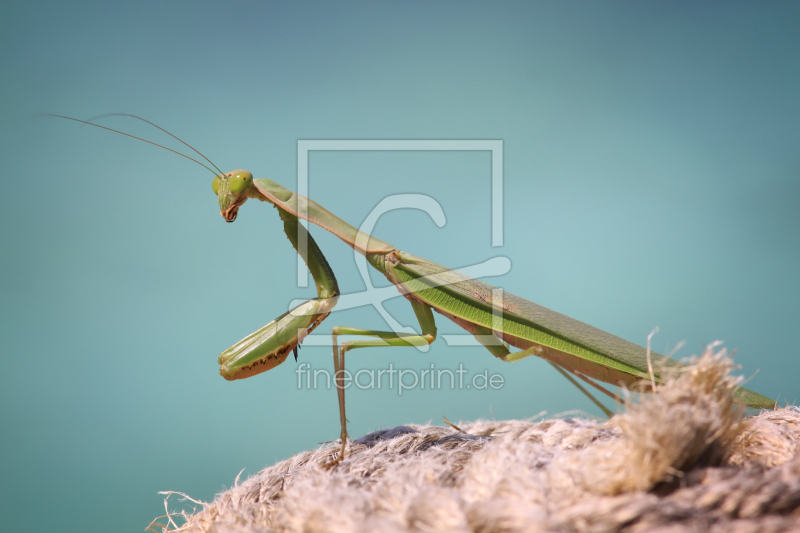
(571, 346)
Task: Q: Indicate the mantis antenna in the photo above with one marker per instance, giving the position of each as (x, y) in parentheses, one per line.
(139, 138)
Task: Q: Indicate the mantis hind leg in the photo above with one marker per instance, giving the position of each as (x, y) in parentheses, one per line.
(382, 338)
(499, 349)
(588, 394)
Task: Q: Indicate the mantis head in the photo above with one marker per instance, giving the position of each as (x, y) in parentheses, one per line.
(232, 189)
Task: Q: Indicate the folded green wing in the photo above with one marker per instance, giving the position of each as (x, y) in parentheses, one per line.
(476, 301)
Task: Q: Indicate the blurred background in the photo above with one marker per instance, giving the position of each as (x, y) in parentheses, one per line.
(652, 178)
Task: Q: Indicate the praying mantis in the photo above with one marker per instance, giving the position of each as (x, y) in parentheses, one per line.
(499, 320)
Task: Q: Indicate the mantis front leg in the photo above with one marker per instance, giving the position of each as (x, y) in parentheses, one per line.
(269, 346)
(383, 338)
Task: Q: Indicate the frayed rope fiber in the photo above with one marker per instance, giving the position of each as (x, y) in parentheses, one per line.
(681, 460)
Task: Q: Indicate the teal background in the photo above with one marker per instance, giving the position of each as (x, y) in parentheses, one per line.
(652, 178)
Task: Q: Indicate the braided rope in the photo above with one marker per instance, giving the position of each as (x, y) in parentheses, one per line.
(680, 460)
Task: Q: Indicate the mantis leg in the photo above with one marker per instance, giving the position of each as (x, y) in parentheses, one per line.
(499, 349)
(270, 345)
(383, 338)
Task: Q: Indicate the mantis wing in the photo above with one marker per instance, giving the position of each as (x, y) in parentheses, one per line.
(599, 354)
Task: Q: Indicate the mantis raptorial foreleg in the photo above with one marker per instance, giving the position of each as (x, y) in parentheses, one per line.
(270, 345)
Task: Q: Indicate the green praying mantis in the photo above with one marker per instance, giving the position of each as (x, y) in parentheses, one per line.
(498, 320)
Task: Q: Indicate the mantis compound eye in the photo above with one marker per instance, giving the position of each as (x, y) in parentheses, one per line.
(215, 185)
(240, 181)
